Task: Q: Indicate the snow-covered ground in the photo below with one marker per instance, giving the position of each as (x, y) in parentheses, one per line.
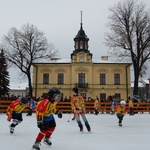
(105, 135)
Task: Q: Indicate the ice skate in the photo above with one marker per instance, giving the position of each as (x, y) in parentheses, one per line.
(81, 128)
(11, 129)
(36, 145)
(47, 141)
(120, 124)
(88, 128)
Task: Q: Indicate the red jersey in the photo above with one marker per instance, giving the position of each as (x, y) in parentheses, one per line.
(16, 107)
(45, 108)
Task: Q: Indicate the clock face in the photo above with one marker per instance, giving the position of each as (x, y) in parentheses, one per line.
(81, 59)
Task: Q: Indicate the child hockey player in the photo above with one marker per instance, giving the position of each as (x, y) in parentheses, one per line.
(45, 119)
(120, 111)
(79, 109)
(72, 108)
(14, 112)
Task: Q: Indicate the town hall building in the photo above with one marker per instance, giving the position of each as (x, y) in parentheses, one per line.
(93, 77)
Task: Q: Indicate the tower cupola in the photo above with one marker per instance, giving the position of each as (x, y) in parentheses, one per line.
(81, 41)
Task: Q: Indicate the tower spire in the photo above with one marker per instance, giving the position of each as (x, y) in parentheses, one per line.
(81, 18)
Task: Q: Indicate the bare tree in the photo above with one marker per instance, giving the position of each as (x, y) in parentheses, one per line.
(129, 35)
(23, 47)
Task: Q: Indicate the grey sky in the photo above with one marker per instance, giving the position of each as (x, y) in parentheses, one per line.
(60, 21)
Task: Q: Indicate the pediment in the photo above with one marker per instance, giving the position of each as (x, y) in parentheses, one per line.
(60, 70)
(102, 70)
(116, 70)
(45, 70)
(81, 69)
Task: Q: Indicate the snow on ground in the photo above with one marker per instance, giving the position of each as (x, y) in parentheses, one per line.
(105, 135)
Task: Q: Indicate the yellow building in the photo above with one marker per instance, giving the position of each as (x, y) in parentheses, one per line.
(93, 77)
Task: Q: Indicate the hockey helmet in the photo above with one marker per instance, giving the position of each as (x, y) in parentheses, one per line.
(54, 94)
(23, 100)
(75, 90)
(123, 103)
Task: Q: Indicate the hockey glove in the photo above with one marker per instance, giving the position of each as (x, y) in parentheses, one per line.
(59, 113)
(9, 118)
(40, 124)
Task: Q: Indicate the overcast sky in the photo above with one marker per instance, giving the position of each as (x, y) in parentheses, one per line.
(60, 21)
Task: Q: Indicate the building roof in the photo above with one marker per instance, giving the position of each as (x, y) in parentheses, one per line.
(142, 83)
(68, 61)
(18, 86)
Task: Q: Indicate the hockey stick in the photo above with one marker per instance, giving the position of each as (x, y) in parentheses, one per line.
(69, 117)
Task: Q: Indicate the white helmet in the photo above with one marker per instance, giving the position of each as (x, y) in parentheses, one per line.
(122, 103)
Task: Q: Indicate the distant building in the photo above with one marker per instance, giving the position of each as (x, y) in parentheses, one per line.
(18, 89)
(144, 89)
(93, 77)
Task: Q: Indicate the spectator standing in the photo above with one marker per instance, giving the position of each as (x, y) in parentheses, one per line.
(131, 112)
(113, 104)
(65, 99)
(96, 106)
(97, 98)
(102, 106)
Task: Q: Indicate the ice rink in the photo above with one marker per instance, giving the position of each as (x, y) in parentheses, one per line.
(105, 135)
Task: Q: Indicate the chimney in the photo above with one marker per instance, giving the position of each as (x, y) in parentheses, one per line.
(104, 57)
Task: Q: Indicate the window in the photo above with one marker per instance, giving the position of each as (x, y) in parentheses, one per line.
(86, 45)
(102, 79)
(81, 44)
(116, 78)
(76, 46)
(60, 78)
(45, 78)
(102, 97)
(81, 80)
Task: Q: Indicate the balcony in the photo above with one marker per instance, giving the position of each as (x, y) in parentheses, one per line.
(81, 85)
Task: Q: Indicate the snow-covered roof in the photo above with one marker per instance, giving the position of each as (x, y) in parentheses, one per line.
(69, 61)
(18, 86)
(145, 81)
(142, 83)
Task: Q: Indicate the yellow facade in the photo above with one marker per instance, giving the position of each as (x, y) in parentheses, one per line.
(92, 86)
(93, 77)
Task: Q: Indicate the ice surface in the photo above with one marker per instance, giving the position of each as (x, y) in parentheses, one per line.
(105, 135)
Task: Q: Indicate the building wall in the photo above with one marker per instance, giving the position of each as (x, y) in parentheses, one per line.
(92, 72)
(18, 92)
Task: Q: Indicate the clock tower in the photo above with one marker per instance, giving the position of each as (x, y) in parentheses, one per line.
(81, 52)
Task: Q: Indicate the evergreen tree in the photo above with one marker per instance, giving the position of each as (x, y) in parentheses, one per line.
(4, 75)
